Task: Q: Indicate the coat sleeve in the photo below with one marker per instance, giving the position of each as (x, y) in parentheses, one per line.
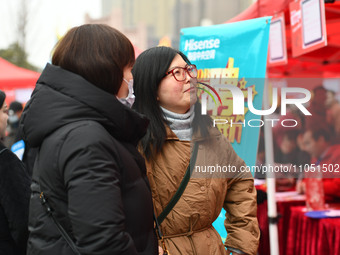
(95, 207)
(14, 198)
(241, 208)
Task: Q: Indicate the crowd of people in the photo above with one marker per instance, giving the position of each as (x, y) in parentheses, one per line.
(108, 145)
(114, 141)
(314, 141)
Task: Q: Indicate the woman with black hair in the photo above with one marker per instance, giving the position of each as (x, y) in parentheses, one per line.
(165, 91)
(14, 195)
(90, 193)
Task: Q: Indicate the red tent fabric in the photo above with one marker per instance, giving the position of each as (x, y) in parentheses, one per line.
(323, 62)
(14, 77)
(262, 8)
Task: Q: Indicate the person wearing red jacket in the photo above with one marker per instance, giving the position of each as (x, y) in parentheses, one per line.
(317, 142)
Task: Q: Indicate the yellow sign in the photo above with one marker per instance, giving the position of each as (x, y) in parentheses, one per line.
(217, 78)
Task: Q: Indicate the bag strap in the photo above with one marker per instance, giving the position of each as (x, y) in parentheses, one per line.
(4, 149)
(181, 188)
(63, 232)
(160, 235)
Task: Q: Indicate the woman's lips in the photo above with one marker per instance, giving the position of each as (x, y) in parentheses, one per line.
(189, 89)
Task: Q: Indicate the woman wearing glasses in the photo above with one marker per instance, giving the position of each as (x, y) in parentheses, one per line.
(165, 91)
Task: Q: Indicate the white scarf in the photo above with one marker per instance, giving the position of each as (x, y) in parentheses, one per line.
(180, 124)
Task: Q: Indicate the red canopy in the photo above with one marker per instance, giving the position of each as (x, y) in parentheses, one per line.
(262, 8)
(323, 62)
(14, 77)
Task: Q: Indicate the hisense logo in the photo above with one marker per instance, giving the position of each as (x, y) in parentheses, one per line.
(191, 44)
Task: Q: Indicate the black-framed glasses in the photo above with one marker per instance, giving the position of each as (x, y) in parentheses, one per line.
(180, 73)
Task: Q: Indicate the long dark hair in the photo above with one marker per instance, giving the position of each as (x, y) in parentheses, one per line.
(97, 52)
(2, 98)
(148, 72)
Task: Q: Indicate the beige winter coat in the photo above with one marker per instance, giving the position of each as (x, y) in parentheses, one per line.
(188, 227)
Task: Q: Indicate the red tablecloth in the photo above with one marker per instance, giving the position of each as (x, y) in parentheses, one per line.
(283, 208)
(307, 236)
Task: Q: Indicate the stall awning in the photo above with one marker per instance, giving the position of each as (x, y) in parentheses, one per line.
(14, 77)
(324, 62)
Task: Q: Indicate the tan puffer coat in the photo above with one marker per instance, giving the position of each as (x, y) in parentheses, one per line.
(188, 227)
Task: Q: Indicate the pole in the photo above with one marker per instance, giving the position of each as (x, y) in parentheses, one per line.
(270, 179)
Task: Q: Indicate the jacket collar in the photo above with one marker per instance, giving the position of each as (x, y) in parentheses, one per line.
(62, 97)
(197, 137)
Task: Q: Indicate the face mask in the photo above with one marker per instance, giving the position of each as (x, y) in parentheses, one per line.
(130, 99)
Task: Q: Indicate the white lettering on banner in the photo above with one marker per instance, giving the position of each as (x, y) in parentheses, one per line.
(206, 49)
(201, 55)
(295, 17)
(192, 45)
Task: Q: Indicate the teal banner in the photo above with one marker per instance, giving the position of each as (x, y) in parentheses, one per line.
(231, 60)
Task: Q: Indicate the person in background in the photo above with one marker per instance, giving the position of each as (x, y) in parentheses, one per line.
(289, 153)
(295, 113)
(333, 113)
(15, 138)
(14, 113)
(286, 152)
(317, 108)
(26, 153)
(14, 195)
(165, 91)
(317, 142)
(88, 168)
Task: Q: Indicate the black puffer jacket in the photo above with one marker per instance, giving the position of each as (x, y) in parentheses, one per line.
(14, 202)
(89, 169)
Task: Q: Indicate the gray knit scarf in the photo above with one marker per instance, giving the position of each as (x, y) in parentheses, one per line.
(180, 124)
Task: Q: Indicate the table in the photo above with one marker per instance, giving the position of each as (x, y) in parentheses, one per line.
(299, 234)
(312, 236)
(283, 208)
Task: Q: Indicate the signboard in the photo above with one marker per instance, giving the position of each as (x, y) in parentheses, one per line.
(277, 53)
(308, 25)
(231, 59)
(233, 54)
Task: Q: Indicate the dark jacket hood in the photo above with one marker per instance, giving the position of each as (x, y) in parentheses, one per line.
(62, 97)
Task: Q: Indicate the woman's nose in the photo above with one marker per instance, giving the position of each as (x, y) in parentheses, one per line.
(187, 77)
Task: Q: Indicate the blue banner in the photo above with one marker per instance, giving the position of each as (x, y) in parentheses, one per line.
(231, 61)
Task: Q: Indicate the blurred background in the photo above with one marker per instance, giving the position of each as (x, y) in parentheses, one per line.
(29, 29)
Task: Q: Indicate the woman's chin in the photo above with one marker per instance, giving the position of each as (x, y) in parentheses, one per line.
(193, 99)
